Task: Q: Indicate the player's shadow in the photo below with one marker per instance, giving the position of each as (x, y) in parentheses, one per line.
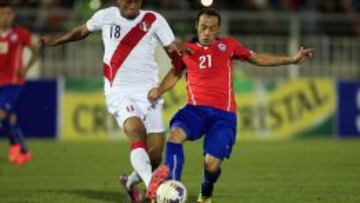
(97, 195)
(101, 195)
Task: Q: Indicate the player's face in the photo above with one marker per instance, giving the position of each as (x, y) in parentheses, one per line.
(207, 29)
(6, 17)
(129, 8)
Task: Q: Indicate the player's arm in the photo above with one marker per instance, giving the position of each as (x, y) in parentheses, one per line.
(170, 80)
(272, 60)
(176, 49)
(35, 53)
(75, 34)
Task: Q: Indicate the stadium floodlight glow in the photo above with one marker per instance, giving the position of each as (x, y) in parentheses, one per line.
(95, 4)
(207, 3)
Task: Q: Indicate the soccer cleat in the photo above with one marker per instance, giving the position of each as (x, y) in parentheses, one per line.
(203, 199)
(159, 176)
(14, 153)
(133, 192)
(23, 158)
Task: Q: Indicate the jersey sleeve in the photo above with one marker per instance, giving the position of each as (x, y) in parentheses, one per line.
(177, 63)
(25, 36)
(96, 21)
(163, 31)
(240, 51)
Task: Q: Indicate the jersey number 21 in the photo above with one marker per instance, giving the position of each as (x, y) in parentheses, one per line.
(205, 61)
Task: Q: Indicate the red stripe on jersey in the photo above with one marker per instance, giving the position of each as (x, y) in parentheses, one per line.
(127, 44)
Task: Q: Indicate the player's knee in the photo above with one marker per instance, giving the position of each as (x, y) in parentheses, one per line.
(2, 114)
(13, 119)
(177, 135)
(135, 130)
(212, 164)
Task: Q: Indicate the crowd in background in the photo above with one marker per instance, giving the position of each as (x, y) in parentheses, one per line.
(326, 6)
(54, 15)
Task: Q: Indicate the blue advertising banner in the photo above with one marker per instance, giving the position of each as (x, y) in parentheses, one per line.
(348, 109)
(38, 109)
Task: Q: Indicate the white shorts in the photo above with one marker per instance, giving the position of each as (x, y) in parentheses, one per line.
(127, 106)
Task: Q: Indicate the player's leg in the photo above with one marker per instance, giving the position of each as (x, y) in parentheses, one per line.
(155, 145)
(218, 144)
(155, 140)
(16, 131)
(8, 99)
(14, 149)
(130, 118)
(211, 174)
(139, 158)
(155, 137)
(187, 124)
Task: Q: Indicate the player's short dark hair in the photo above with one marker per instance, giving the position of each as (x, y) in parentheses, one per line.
(208, 12)
(4, 4)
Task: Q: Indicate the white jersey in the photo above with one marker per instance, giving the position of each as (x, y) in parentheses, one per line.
(139, 71)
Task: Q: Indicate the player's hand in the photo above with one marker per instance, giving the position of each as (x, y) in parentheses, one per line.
(302, 55)
(23, 71)
(48, 40)
(154, 94)
(179, 48)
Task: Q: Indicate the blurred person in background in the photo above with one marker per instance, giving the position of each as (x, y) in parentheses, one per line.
(211, 106)
(130, 36)
(13, 40)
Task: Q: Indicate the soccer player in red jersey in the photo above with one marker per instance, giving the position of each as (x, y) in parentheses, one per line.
(211, 106)
(13, 40)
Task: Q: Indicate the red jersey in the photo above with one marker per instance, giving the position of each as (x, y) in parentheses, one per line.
(209, 73)
(12, 45)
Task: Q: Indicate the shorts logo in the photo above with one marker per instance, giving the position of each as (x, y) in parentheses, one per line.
(130, 108)
(222, 47)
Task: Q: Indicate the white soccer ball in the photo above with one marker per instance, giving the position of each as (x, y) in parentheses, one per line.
(171, 191)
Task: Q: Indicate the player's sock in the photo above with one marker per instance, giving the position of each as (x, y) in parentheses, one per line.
(210, 179)
(133, 179)
(140, 161)
(18, 135)
(175, 159)
(6, 130)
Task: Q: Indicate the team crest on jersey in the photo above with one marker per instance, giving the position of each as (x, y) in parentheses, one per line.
(144, 26)
(14, 37)
(222, 47)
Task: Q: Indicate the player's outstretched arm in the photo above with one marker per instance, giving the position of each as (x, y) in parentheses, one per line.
(170, 80)
(76, 34)
(270, 60)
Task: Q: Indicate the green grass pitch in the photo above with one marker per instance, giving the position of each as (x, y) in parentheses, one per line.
(310, 170)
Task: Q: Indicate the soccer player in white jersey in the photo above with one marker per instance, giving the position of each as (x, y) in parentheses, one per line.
(130, 36)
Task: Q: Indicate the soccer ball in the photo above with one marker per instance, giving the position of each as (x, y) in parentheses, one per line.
(171, 191)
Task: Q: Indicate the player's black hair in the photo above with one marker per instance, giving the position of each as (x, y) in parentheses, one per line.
(208, 12)
(4, 4)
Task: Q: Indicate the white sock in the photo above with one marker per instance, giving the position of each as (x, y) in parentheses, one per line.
(133, 179)
(141, 163)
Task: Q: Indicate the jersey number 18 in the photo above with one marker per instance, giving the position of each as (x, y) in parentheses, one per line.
(115, 31)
